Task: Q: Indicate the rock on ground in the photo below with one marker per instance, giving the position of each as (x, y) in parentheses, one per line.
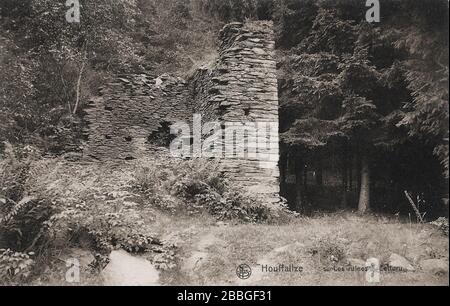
(435, 266)
(127, 270)
(397, 261)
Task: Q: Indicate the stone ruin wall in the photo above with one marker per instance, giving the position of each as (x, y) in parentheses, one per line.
(240, 87)
(129, 110)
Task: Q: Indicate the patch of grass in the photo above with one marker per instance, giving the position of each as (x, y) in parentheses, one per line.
(321, 245)
(101, 200)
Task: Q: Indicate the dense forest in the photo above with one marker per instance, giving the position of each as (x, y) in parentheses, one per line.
(364, 127)
(363, 105)
(369, 100)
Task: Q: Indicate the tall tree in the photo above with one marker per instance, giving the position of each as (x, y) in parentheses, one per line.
(382, 85)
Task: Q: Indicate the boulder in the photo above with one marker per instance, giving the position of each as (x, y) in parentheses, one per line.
(397, 261)
(435, 266)
(127, 270)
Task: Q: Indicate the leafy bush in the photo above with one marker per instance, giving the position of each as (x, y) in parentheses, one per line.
(197, 177)
(233, 205)
(330, 251)
(15, 267)
(149, 181)
(23, 228)
(21, 216)
(442, 225)
(238, 10)
(14, 172)
(100, 231)
(237, 204)
(78, 211)
(197, 186)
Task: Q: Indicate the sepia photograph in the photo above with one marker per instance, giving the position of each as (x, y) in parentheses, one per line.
(224, 148)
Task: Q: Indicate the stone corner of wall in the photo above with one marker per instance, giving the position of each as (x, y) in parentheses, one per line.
(249, 26)
(231, 27)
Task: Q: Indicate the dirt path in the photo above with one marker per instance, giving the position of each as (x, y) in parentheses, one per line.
(200, 253)
(193, 266)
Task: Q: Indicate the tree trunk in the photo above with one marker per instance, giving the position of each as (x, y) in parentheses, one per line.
(364, 195)
(358, 173)
(283, 171)
(345, 185)
(350, 174)
(299, 185)
(80, 75)
(319, 173)
(305, 177)
(345, 176)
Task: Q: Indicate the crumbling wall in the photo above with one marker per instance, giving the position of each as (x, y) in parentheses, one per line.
(242, 88)
(129, 110)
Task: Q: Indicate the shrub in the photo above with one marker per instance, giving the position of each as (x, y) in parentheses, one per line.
(150, 180)
(103, 232)
(100, 231)
(330, 251)
(195, 177)
(14, 172)
(174, 187)
(21, 216)
(442, 225)
(237, 204)
(238, 10)
(71, 214)
(198, 186)
(23, 228)
(15, 267)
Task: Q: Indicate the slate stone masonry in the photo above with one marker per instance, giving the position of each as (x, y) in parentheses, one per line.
(241, 87)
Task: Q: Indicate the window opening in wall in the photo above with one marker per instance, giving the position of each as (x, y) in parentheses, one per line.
(162, 136)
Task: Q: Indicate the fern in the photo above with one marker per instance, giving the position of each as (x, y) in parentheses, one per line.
(17, 208)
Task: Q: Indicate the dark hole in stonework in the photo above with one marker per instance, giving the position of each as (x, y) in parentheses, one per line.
(108, 108)
(220, 81)
(247, 111)
(93, 157)
(214, 91)
(108, 137)
(130, 158)
(129, 139)
(162, 136)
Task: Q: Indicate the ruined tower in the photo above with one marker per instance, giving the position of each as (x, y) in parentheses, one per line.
(241, 88)
(238, 91)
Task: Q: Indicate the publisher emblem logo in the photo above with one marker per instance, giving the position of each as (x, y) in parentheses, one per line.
(244, 271)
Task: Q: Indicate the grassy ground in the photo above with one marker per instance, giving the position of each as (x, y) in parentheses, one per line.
(208, 252)
(315, 244)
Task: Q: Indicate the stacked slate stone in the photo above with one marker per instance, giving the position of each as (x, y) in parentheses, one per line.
(242, 88)
(129, 110)
(205, 96)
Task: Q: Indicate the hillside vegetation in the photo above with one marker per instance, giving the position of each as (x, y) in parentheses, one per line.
(363, 107)
(370, 94)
